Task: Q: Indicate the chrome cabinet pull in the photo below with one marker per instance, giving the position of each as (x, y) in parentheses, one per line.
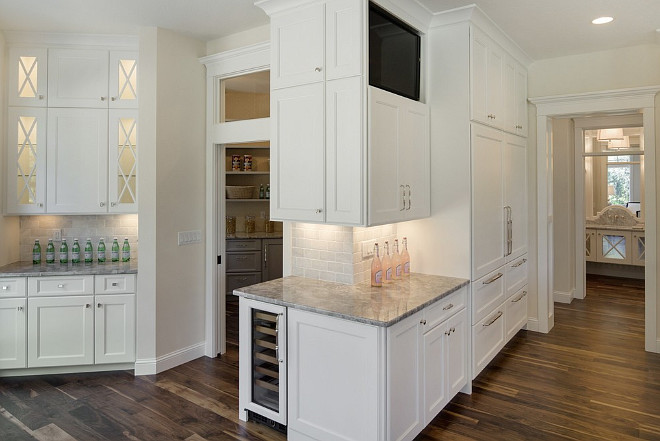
(87, 305)
(101, 204)
(265, 254)
(41, 97)
(60, 286)
(317, 69)
(524, 293)
(409, 196)
(5, 288)
(115, 284)
(492, 279)
(114, 98)
(318, 211)
(98, 305)
(493, 320)
(103, 98)
(448, 307)
(517, 264)
(403, 197)
(422, 322)
(20, 308)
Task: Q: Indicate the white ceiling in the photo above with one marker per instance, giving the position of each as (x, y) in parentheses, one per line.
(542, 28)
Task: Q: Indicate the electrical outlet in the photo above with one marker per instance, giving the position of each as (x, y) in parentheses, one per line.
(368, 249)
(57, 234)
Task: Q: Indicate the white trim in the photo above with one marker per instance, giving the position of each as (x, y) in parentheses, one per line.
(563, 297)
(51, 39)
(66, 369)
(532, 325)
(254, 58)
(613, 101)
(152, 366)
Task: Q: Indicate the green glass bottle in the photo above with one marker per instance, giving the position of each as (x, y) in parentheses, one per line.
(89, 251)
(64, 252)
(75, 252)
(36, 252)
(100, 251)
(125, 251)
(50, 252)
(268, 191)
(261, 191)
(114, 254)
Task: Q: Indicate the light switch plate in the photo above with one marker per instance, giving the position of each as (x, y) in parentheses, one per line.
(368, 249)
(189, 237)
(57, 235)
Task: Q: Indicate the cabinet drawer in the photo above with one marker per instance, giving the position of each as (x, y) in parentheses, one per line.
(115, 284)
(235, 281)
(12, 287)
(244, 262)
(487, 339)
(516, 275)
(243, 245)
(445, 308)
(516, 313)
(53, 286)
(487, 293)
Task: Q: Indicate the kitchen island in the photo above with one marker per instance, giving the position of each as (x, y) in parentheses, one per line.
(353, 361)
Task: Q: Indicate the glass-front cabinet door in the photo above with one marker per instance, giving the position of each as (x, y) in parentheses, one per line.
(614, 246)
(123, 89)
(28, 85)
(26, 160)
(123, 161)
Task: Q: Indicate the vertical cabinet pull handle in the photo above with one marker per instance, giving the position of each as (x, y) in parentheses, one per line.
(403, 197)
(265, 254)
(409, 196)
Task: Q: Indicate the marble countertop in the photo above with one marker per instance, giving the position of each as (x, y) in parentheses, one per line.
(255, 235)
(639, 227)
(362, 303)
(28, 269)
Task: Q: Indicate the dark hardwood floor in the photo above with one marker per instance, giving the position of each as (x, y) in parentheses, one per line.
(588, 379)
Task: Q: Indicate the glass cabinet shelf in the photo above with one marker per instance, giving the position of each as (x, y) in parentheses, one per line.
(247, 200)
(232, 172)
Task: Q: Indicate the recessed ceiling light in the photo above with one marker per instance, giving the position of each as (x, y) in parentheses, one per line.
(602, 20)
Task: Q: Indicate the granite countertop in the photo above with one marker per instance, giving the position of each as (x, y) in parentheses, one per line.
(255, 235)
(361, 303)
(28, 269)
(638, 227)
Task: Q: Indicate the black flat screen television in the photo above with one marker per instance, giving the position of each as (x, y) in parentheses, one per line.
(394, 54)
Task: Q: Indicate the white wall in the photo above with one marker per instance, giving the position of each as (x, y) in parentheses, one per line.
(171, 299)
(637, 66)
(564, 208)
(9, 230)
(240, 39)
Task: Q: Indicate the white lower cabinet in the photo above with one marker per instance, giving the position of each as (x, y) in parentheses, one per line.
(354, 381)
(55, 321)
(12, 333)
(515, 313)
(60, 331)
(487, 340)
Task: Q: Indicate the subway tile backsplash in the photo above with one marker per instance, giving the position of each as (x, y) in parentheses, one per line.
(334, 253)
(80, 227)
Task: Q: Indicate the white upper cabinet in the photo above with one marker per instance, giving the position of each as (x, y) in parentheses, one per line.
(122, 77)
(122, 161)
(28, 84)
(26, 160)
(399, 182)
(520, 93)
(344, 54)
(77, 162)
(297, 153)
(515, 97)
(487, 60)
(77, 78)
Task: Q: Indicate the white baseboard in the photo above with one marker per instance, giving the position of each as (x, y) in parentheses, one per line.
(532, 324)
(564, 297)
(152, 366)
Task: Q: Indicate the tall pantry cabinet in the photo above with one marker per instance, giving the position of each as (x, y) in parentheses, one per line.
(485, 134)
(72, 127)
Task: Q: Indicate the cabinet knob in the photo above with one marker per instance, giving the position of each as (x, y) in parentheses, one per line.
(114, 98)
(87, 305)
(60, 285)
(41, 204)
(318, 69)
(319, 210)
(115, 283)
(98, 305)
(102, 98)
(41, 97)
(5, 288)
(113, 204)
(20, 308)
(101, 204)
(422, 321)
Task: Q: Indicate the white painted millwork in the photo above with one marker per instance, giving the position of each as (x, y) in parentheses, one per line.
(318, 74)
(123, 161)
(514, 175)
(28, 83)
(78, 78)
(77, 161)
(516, 275)
(26, 160)
(515, 313)
(487, 293)
(13, 287)
(13, 321)
(487, 61)
(60, 285)
(487, 339)
(114, 328)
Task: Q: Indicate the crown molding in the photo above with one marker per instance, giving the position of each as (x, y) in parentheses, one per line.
(53, 39)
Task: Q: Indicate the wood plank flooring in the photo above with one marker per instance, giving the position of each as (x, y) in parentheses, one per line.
(588, 379)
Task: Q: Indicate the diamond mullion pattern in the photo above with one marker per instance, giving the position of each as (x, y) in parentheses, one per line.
(611, 247)
(587, 245)
(641, 248)
(125, 78)
(126, 146)
(26, 134)
(29, 76)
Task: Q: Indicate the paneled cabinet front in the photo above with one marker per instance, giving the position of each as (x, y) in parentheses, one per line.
(13, 320)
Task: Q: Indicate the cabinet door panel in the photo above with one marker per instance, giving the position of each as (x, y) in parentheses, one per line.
(114, 324)
(13, 333)
(77, 78)
(488, 229)
(123, 76)
(77, 160)
(27, 77)
(521, 101)
(509, 95)
(414, 161)
(435, 394)
(487, 340)
(386, 192)
(26, 160)
(297, 153)
(297, 42)
(514, 165)
(60, 331)
(405, 401)
(344, 40)
(273, 263)
(344, 153)
(478, 75)
(456, 374)
(123, 161)
(516, 313)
